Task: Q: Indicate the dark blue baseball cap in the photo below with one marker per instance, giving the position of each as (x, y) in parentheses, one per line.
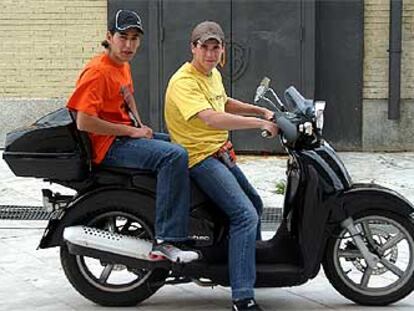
(124, 20)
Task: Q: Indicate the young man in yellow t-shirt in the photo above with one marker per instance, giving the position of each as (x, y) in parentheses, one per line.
(199, 115)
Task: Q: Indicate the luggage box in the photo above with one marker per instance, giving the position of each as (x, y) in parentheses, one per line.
(50, 149)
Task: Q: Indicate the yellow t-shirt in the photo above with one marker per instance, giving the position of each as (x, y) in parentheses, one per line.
(189, 92)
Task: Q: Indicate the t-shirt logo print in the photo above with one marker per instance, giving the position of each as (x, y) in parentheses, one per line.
(216, 98)
(129, 100)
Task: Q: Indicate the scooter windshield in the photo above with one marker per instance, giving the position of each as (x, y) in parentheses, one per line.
(296, 103)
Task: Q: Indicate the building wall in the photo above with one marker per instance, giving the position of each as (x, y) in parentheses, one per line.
(379, 133)
(43, 45)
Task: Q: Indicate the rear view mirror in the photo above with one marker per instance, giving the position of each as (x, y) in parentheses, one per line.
(262, 89)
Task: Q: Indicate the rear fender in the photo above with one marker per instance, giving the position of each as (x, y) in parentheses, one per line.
(370, 196)
(89, 202)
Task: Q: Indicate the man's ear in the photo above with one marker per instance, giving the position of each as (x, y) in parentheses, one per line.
(223, 57)
(108, 36)
(192, 47)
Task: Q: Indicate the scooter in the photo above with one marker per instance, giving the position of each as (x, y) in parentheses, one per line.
(362, 234)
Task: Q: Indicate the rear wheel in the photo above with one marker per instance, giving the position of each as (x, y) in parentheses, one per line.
(387, 235)
(109, 283)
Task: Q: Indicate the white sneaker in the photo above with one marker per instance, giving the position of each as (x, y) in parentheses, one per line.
(173, 253)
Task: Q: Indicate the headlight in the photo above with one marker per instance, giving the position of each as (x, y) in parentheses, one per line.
(319, 109)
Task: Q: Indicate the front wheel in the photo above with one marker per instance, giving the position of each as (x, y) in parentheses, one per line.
(389, 236)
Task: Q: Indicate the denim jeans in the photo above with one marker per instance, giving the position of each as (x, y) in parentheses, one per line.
(170, 163)
(231, 191)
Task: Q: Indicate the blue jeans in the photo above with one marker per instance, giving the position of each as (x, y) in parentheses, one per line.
(230, 190)
(170, 163)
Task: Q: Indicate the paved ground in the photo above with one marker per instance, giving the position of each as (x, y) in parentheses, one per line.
(33, 280)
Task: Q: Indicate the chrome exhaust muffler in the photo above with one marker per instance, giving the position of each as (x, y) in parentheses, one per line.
(105, 241)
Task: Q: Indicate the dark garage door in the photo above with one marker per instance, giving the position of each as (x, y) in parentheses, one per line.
(294, 42)
(272, 36)
(265, 38)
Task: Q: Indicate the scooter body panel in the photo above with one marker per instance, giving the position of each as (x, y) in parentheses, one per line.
(207, 223)
(316, 178)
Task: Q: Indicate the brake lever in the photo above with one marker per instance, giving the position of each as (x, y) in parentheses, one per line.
(280, 103)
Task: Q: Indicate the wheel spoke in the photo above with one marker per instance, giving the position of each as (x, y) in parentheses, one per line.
(365, 278)
(106, 272)
(368, 233)
(125, 227)
(393, 268)
(393, 241)
(351, 254)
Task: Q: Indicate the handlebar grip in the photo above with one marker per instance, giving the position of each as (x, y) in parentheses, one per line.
(289, 129)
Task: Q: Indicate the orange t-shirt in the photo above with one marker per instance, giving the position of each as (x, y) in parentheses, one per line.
(101, 91)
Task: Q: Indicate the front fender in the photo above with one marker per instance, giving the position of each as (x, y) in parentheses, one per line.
(87, 203)
(362, 197)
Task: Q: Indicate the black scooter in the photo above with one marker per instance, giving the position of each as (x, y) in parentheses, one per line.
(362, 234)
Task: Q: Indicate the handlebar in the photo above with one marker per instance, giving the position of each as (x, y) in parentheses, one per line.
(288, 129)
(289, 115)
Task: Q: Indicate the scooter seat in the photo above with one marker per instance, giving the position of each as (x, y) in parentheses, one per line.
(128, 177)
(143, 179)
(122, 170)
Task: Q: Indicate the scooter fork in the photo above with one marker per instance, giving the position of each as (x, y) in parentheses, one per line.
(371, 259)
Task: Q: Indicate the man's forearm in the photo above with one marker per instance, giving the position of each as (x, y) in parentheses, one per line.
(228, 121)
(98, 126)
(237, 107)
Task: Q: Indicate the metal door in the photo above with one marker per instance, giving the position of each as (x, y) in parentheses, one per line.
(178, 20)
(273, 39)
(263, 38)
(166, 46)
(339, 64)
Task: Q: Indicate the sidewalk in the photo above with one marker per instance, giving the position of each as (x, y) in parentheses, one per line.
(34, 280)
(392, 170)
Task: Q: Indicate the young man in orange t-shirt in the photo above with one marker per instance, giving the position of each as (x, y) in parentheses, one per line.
(106, 109)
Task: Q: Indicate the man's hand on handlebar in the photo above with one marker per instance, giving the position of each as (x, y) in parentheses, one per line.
(268, 114)
(270, 128)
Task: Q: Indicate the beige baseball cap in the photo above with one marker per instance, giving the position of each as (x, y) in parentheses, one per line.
(207, 30)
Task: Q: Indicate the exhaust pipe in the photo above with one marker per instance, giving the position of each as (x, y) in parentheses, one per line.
(101, 241)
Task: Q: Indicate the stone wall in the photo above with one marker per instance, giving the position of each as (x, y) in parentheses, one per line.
(43, 45)
(379, 133)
